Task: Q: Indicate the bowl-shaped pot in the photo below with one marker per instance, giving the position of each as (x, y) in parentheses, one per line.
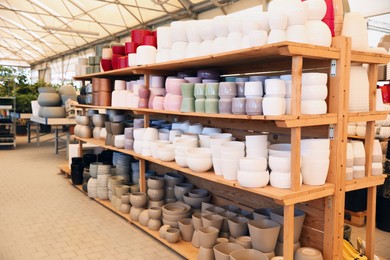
(156, 182)
(172, 235)
(155, 195)
(171, 179)
(99, 119)
(155, 213)
(195, 203)
(138, 199)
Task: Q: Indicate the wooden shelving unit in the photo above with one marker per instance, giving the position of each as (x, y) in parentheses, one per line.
(181, 247)
(280, 57)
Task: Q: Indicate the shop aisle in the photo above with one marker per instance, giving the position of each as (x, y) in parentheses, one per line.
(43, 217)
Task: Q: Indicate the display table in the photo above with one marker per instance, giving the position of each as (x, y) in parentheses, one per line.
(57, 123)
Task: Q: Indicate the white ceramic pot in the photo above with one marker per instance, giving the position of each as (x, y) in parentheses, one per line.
(318, 33)
(274, 106)
(276, 36)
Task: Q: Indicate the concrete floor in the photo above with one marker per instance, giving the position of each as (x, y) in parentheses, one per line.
(43, 217)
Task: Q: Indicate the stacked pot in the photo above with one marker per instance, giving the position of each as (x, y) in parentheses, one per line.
(118, 98)
(226, 91)
(138, 200)
(314, 92)
(129, 138)
(81, 66)
(83, 129)
(199, 94)
(188, 100)
(156, 86)
(50, 103)
(315, 158)
(122, 163)
(112, 182)
(102, 89)
(173, 98)
(171, 179)
(253, 91)
(98, 121)
(106, 61)
(103, 173)
(274, 102)
(116, 200)
(92, 182)
(125, 205)
(156, 191)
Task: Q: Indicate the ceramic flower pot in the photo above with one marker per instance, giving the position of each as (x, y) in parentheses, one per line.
(247, 254)
(186, 229)
(264, 234)
(172, 235)
(143, 217)
(238, 226)
(162, 230)
(207, 236)
(212, 220)
(154, 224)
(134, 213)
(223, 250)
(299, 217)
(205, 254)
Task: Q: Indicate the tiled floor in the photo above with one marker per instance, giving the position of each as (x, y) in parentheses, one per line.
(382, 238)
(43, 217)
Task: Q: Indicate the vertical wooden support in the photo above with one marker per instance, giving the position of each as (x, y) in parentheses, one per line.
(296, 83)
(338, 103)
(80, 148)
(288, 232)
(142, 163)
(142, 180)
(370, 223)
(369, 143)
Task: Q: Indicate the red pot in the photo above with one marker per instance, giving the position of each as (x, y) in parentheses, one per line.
(122, 62)
(329, 16)
(138, 35)
(115, 61)
(118, 49)
(154, 33)
(131, 47)
(105, 64)
(150, 40)
(385, 93)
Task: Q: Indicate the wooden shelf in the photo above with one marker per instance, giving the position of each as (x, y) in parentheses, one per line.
(367, 116)
(286, 121)
(251, 57)
(281, 196)
(183, 248)
(369, 57)
(366, 182)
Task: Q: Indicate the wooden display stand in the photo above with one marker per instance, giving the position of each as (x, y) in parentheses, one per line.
(324, 204)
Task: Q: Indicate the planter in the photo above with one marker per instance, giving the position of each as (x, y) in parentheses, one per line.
(383, 213)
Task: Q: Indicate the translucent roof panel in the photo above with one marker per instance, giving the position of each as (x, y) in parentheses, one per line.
(34, 30)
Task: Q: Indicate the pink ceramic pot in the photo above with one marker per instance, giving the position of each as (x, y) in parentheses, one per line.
(172, 102)
(172, 85)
